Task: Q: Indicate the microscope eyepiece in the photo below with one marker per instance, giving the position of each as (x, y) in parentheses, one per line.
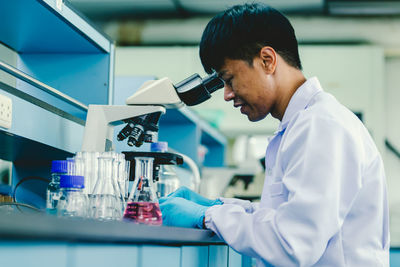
(213, 82)
(195, 90)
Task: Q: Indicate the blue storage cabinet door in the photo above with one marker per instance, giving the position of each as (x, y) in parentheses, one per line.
(234, 258)
(103, 255)
(218, 256)
(194, 256)
(159, 256)
(33, 254)
(395, 257)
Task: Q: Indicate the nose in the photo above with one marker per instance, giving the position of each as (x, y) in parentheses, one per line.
(228, 93)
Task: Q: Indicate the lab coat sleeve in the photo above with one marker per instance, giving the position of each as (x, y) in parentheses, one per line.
(321, 166)
(248, 206)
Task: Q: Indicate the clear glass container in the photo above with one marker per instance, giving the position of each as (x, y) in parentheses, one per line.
(143, 206)
(168, 180)
(121, 167)
(53, 193)
(106, 197)
(73, 201)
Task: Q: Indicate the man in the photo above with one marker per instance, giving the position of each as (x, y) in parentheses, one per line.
(324, 200)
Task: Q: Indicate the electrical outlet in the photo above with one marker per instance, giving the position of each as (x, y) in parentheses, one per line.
(5, 111)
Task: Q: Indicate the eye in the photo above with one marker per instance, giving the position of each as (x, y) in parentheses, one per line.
(229, 81)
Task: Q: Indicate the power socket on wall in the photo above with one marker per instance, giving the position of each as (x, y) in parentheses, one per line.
(5, 111)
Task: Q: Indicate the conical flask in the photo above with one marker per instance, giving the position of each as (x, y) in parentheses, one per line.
(142, 206)
(106, 202)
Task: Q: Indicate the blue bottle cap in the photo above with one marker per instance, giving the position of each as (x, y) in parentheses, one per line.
(159, 147)
(72, 181)
(59, 166)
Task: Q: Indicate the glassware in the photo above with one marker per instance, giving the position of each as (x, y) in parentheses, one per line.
(122, 178)
(73, 201)
(168, 179)
(58, 167)
(105, 200)
(142, 206)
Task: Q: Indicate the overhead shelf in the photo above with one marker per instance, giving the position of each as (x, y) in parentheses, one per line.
(55, 45)
(53, 59)
(43, 26)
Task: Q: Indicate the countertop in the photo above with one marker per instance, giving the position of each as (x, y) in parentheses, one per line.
(46, 227)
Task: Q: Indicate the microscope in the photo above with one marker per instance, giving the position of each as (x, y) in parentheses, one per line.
(142, 114)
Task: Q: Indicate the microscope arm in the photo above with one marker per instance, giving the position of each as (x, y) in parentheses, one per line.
(100, 120)
(152, 97)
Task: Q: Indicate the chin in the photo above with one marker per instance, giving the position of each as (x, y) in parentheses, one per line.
(254, 119)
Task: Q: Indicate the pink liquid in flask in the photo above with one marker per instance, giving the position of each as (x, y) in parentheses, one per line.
(143, 212)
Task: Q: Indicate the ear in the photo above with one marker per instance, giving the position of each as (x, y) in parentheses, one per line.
(269, 59)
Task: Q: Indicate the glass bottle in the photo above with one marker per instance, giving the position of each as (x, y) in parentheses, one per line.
(58, 167)
(142, 206)
(73, 201)
(168, 179)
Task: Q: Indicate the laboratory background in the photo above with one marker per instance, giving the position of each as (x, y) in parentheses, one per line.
(95, 125)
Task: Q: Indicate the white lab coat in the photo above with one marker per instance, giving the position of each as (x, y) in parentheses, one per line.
(324, 201)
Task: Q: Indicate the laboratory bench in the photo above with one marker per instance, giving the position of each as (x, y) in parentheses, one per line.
(43, 240)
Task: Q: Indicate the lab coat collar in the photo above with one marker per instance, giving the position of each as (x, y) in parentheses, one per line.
(300, 100)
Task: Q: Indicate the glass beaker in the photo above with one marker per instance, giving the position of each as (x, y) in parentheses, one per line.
(88, 168)
(142, 206)
(106, 204)
(168, 180)
(122, 170)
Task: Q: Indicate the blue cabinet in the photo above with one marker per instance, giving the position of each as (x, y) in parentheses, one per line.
(33, 254)
(218, 256)
(159, 256)
(103, 255)
(50, 42)
(395, 257)
(234, 259)
(194, 256)
(72, 62)
(56, 46)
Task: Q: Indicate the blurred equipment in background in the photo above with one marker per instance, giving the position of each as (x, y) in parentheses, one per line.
(245, 179)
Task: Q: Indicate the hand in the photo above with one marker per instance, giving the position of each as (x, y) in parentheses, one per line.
(177, 211)
(188, 194)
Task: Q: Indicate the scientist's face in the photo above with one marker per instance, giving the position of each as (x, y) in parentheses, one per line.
(251, 88)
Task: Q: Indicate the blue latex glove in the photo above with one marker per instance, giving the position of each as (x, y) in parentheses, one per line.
(188, 194)
(177, 211)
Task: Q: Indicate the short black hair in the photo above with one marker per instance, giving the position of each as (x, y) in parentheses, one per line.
(242, 30)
